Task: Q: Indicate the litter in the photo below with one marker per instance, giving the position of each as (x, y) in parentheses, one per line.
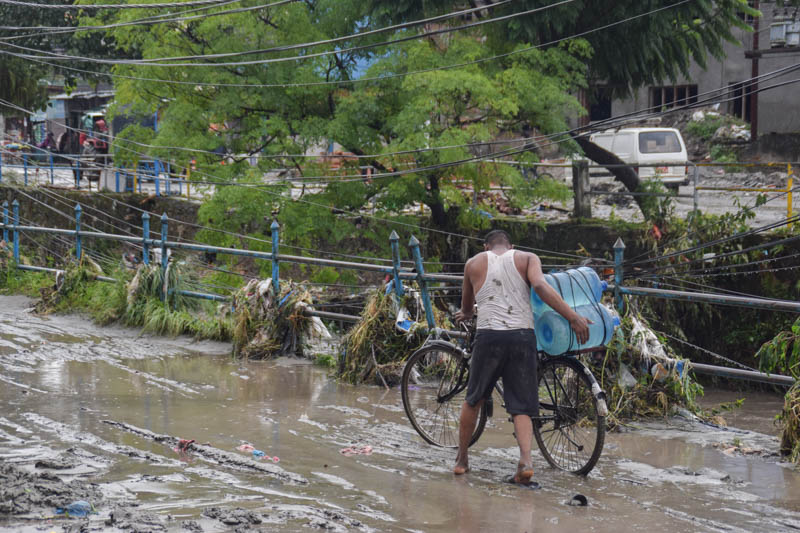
(77, 509)
(579, 500)
(183, 445)
(258, 454)
(356, 450)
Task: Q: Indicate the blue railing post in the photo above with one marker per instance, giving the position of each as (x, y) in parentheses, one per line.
(155, 177)
(167, 187)
(619, 254)
(423, 285)
(116, 180)
(77, 173)
(5, 222)
(164, 257)
(52, 174)
(164, 226)
(275, 227)
(146, 238)
(15, 208)
(25, 168)
(78, 251)
(398, 284)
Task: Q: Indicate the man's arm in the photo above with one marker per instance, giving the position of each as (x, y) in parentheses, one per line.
(579, 324)
(467, 294)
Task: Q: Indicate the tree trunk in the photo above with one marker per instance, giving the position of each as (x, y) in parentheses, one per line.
(623, 174)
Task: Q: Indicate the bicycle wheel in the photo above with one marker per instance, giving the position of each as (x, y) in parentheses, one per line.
(570, 430)
(434, 386)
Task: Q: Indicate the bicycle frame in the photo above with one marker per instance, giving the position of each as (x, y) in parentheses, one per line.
(597, 392)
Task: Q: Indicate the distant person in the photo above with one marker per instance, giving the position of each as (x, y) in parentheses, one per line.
(49, 142)
(500, 279)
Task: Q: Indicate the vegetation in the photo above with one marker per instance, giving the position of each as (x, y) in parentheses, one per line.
(267, 327)
(640, 377)
(133, 300)
(781, 355)
(374, 350)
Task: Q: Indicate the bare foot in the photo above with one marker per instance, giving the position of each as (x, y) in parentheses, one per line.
(460, 469)
(524, 474)
(462, 466)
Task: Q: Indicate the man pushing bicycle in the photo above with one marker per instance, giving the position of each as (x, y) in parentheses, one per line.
(499, 281)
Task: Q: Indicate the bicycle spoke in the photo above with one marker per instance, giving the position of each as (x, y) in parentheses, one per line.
(569, 437)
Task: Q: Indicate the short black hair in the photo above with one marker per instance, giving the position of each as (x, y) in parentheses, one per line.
(497, 236)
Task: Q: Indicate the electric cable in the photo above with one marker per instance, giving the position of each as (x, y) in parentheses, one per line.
(156, 61)
(459, 65)
(111, 6)
(153, 19)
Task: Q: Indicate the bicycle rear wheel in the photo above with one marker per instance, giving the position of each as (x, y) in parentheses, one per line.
(434, 386)
(570, 430)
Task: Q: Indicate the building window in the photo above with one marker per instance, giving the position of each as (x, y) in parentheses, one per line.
(600, 106)
(671, 96)
(739, 105)
(744, 17)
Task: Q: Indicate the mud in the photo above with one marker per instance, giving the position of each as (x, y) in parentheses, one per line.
(98, 414)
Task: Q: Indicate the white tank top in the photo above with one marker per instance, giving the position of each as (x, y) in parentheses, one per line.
(504, 299)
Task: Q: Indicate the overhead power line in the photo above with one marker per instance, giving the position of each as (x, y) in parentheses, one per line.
(342, 82)
(405, 25)
(37, 5)
(155, 61)
(154, 19)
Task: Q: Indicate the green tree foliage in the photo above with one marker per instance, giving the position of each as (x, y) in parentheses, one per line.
(521, 94)
(646, 50)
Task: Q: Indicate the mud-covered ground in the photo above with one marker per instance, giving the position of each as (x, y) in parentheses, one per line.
(607, 206)
(97, 414)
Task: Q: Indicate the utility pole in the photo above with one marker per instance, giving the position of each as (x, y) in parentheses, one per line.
(754, 77)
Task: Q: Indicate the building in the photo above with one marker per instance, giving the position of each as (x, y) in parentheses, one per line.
(768, 110)
(64, 110)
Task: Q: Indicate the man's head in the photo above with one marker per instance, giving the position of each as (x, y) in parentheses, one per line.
(497, 237)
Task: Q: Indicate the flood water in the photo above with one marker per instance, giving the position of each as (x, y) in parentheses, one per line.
(62, 379)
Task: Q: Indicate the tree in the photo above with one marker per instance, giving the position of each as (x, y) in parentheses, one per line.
(464, 108)
(646, 50)
(521, 94)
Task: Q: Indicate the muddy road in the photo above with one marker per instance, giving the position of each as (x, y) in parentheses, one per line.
(96, 414)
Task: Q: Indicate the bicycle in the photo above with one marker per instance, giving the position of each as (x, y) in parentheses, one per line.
(570, 426)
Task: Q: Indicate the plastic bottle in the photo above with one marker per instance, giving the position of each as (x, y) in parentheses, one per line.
(555, 336)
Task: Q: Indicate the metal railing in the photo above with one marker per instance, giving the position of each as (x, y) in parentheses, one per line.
(11, 228)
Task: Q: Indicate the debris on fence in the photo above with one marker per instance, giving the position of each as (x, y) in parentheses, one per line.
(641, 378)
(790, 437)
(265, 328)
(376, 348)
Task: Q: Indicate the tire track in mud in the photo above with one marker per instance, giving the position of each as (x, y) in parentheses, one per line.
(215, 455)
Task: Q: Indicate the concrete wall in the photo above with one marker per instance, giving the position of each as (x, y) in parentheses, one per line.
(778, 109)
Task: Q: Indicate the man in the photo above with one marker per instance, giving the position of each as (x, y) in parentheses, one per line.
(499, 280)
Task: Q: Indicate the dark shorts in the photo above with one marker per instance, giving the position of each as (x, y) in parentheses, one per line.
(507, 354)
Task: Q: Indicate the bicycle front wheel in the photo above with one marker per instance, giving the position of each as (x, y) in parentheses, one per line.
(570, 430)
(434, 387)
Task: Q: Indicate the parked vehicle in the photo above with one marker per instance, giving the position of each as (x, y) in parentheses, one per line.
(649, 146)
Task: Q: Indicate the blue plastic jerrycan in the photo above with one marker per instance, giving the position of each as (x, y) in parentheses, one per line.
(579, 286)
(555, 336)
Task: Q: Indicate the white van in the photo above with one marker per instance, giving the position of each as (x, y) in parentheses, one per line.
(637, 146)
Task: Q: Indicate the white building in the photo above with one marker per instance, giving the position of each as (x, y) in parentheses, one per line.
(768, 110)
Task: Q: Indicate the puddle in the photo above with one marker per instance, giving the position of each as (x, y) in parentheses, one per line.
(107, 409)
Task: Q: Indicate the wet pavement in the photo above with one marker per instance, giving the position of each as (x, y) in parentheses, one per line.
(104, 409)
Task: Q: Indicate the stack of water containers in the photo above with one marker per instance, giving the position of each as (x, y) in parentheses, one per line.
(582, 289)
